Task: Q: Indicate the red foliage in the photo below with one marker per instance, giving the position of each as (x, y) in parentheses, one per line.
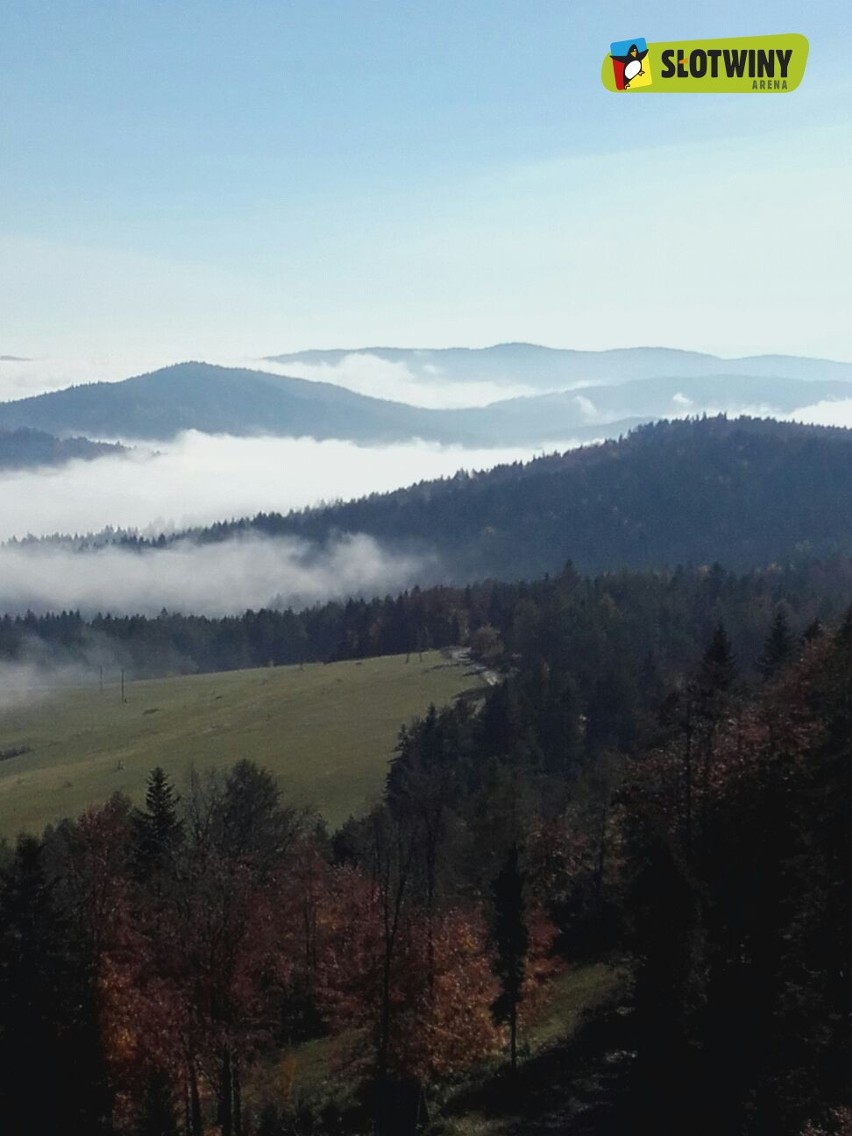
(441, 985)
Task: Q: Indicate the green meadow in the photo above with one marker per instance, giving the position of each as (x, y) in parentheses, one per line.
(327, 732)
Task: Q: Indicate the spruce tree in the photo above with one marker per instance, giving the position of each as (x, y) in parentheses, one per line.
(511, 942)
(778, 648)
(158, 830)
(718, 670)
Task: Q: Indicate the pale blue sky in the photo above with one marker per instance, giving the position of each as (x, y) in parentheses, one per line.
(233, 178)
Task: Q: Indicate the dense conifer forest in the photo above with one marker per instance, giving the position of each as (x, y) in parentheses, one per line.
(653, 790)
(650, 622)
(24, 448)
(763, 491)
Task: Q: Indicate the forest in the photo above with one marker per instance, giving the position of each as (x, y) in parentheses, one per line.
(658, 784)
(650, 623)
(23, 448)
(653, 791)
(766, 492)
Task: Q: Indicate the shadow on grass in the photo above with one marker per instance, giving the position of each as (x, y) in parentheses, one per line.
(574, 1086)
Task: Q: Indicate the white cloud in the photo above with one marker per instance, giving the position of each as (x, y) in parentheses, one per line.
(383, 378)
(199, 479)
(214, 579)
(838, 413)
(586, 407)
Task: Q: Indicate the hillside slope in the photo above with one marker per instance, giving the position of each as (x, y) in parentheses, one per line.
(25, 449)
(77, 747)
(745, 492)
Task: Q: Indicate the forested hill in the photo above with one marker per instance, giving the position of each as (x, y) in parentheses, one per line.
(745, 492)
(199, 396)
(24, 448)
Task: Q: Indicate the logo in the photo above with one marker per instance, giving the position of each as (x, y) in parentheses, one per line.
(743, 65)
(630, 64)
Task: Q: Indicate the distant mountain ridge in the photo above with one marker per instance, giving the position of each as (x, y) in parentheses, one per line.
(555, 367)
(238, 401)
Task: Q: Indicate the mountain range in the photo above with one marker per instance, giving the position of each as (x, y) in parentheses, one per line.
(213, 399)
(552, 368)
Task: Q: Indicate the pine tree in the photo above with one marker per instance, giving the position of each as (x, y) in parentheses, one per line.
(511, 941)
(48, 1006)
(718, 670)
(778, 648)
(158, 830)
(709, 696)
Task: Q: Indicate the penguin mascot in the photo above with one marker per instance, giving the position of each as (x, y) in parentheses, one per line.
(632, 63)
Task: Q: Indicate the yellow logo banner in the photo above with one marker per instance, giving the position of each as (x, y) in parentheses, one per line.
(739, 65)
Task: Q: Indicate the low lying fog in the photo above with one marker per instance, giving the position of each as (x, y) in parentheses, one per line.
(21, 684)
(837, 413)
(200, 479)
(382, 378)
(213, 579)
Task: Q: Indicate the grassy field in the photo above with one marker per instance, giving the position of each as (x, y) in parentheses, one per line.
(326, 731)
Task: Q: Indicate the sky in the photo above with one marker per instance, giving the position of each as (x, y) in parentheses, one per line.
(228, 179)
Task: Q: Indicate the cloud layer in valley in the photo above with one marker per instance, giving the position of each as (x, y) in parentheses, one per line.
(211, 579)
(200, 479)
(383, 378)
(837, 413)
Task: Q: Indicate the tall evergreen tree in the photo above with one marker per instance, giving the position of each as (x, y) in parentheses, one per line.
(511, 942)
(718, 670)
(158, 831)
(53, 1074)
(779, 645)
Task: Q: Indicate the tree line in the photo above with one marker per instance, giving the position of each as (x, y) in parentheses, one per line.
(686, 823)
(653, 621)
